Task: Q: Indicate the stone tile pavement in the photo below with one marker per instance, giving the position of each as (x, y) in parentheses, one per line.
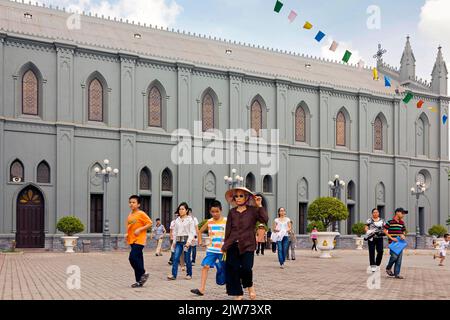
(42, 275)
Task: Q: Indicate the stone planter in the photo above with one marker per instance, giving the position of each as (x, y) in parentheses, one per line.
(325, 243)
(69, 243)
(359, 243)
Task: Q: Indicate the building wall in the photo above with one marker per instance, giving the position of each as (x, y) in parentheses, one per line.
(71, 144)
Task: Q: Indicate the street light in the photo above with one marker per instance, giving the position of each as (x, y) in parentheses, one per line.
(418, 190)
(106, 172)
(336, 187)
(233, 182)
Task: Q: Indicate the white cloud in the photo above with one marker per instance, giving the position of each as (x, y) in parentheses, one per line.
(340, 51)
(434, 20)
(155, 12)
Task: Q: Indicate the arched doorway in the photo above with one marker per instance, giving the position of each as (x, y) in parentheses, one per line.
(30, 219)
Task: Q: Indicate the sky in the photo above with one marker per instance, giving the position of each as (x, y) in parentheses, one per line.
(427, 22)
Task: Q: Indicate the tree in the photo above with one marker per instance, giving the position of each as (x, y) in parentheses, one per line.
(328, 210)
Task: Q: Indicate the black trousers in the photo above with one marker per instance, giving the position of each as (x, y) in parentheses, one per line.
(314, 246)
(375, 244)
(238, 270)
(137, 260)
(260, 247)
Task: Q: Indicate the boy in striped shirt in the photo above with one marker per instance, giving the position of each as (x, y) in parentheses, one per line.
(395, 229)
(214, 255)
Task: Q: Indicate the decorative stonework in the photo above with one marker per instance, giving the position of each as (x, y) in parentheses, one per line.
(258, 82)
(209, 74)
(29, 45)
(97, 56)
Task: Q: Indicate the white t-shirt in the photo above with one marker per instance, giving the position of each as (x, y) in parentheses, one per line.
(282, 227)
(443, 247)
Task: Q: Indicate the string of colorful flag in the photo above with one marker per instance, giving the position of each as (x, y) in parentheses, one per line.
(347, 55)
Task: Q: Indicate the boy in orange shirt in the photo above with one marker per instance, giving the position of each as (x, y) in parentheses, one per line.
(138, 223)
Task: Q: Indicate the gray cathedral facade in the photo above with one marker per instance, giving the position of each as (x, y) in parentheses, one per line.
(76, 92)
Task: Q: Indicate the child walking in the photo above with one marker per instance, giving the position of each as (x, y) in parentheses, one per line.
(214, 255)
(138, 223)
(442, 250)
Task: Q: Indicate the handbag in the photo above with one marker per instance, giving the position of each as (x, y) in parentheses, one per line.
(397, 247)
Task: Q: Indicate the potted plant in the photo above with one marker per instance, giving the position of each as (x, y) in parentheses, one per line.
(69, 226)
(359, 229)
(327, 210)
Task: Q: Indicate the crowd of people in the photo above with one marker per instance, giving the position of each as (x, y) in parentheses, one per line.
(234, 240)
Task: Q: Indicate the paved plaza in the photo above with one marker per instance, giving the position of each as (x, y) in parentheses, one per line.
(42, 275)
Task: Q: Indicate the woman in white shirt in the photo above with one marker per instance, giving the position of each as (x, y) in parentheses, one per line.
(280, 235)
(183, 235)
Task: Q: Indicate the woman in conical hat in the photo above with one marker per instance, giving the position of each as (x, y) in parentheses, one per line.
(240, 241)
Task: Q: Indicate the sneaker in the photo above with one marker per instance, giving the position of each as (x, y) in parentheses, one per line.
(170, 277)
(136, 285)
(188, 277)
(399, 277)
(197, 292)
(373, 268)
(293, 258)
(282, 267)
(169, 262)
(156, 254)
(144, 279)
(390, 273)
(193, 263)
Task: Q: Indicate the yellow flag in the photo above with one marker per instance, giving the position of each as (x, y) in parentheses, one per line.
(375, 74)
(432, 109)
(307, 25)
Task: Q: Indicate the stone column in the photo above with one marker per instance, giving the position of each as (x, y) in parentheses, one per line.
(185, 121)
(326, 125)
(127, 176)
(64, 82)
(281, 109)
(64, 171)
(127, 89)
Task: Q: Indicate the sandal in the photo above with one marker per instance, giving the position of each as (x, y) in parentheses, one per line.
(144, 278)
(197, 292)
(136, 285)
(390, 273)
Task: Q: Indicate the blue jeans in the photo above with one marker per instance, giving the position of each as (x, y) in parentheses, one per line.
(179, 250)
(282, 248)
(397, 260)
(194, 253)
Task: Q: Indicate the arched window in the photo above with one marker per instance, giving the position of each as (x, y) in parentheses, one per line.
(422, 134)
(145, 181)
(267, 184)
(250, 182)
(16, 172)
(256, 117)
(166, 180)
(207, 112)
(95, 100)
(300, 125)
(378, 133)
(351, 191)
(154, 107)
(30, 89)
(340, 129)
(43, 173)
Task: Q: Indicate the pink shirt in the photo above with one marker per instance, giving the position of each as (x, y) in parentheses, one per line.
(314, 234)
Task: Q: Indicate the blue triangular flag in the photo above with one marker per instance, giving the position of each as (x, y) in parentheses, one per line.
(387, 81)
(319, 36)
(444, 118)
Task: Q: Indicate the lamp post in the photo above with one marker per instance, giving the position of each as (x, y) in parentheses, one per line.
(106, 172)
(233, 181)
(418, 190)
(336, 185)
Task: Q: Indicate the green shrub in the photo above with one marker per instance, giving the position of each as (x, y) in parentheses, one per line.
(448, 222)
(328, 210)
(70, 225)
(359, 229)
(437, 230)
(319, 225)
